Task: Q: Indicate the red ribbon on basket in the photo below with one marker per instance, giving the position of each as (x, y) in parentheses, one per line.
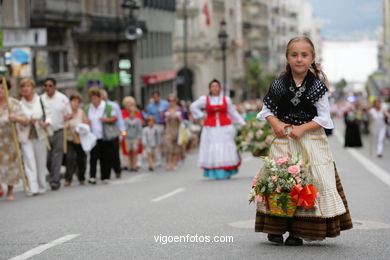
(304, 196)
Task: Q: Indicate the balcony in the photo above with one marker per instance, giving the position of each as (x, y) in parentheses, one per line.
(46, 12)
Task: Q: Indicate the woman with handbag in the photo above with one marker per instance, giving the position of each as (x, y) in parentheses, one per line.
(101, 117)
(34, 137)
(297, 108)
(75, 156)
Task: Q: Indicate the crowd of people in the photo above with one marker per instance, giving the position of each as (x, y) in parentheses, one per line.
(363, 118)
(53, 129)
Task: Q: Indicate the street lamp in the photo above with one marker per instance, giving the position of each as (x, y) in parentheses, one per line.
(133, 31)
(222, 38)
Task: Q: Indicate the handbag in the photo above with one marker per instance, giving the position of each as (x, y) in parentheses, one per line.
(75, 137)
(110, 130)
(49, 130)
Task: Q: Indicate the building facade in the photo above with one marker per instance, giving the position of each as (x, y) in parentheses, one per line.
(86, 44)
(269, 25)
(198, 54)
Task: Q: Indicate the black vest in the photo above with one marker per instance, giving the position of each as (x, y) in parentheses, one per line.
(294, 105)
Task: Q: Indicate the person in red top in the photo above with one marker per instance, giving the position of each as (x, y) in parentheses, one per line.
(128, 102)
(218, 154)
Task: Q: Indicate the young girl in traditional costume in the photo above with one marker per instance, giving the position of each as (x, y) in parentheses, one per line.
(218, 154)
(297, 108)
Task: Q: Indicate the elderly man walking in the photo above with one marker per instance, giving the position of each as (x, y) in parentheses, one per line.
(60, 111)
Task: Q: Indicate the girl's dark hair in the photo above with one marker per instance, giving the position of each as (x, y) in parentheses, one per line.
(214, 81)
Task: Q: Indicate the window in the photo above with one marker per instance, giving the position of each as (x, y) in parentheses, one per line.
(58, 62)
(168, 5)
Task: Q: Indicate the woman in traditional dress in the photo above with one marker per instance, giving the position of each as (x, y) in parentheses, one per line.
(9, 164)
(378, 126)
(218, 154)
(297, 108)
(352, 119)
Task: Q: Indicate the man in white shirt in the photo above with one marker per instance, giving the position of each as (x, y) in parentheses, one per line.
(60, 110)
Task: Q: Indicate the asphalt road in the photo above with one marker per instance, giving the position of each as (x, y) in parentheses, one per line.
(138, 216)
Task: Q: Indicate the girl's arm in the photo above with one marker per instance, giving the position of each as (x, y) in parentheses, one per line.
(298, 130)
(322, 119)
(278, 126)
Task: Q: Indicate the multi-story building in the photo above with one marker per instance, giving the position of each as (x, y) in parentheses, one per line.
(269, 25)
(86, 44)
(198, 55)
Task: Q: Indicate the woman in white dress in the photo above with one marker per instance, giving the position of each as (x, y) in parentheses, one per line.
(218, 154)
(378, 126)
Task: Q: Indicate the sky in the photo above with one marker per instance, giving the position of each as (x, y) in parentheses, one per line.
(350, 29)
(353, 61)
(349, 19)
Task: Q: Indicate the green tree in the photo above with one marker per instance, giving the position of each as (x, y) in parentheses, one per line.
(339, 88)
(256, 80)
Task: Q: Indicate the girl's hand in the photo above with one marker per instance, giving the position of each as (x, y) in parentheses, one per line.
(280, 129)
(297, 132)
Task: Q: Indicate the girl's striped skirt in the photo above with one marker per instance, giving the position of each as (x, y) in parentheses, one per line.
(330, 215)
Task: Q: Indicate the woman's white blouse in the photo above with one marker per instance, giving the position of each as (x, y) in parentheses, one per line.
(197, 106)
(323, 113)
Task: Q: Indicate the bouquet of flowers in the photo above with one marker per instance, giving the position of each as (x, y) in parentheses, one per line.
(284, 184)
(255, 137)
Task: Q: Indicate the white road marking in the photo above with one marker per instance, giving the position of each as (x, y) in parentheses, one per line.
(168, 194)
(41, 248)
(367, 163)
(134, 179)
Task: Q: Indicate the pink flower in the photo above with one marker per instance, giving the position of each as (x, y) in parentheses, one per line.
(261, 123)
(259, 133)
(294, 170)
(298, 180)
(279, 189)
(255, 178)
(259, 198)
(282, 160)
(247, 139)
(318, 195)
(274, 178)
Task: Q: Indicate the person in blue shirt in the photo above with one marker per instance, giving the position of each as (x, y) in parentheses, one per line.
(157, 108)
